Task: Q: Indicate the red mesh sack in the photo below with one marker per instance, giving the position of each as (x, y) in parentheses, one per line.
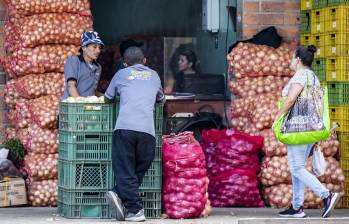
(235, 188)
(228, 149)
(184, 176)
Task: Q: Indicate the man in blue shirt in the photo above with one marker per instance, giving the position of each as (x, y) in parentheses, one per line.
(82, 72)
(139, 87)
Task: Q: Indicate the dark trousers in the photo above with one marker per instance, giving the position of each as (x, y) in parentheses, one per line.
(132, 155)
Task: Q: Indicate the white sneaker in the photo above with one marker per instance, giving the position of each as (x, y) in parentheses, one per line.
(139, 217)
(116, 203)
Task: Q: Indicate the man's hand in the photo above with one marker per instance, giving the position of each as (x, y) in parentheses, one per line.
(73, 91)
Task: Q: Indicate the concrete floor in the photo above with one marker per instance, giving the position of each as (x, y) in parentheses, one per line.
(28, 215)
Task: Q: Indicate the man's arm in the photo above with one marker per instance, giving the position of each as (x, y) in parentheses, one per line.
(111, 91)
(160, 97)
(73, 91)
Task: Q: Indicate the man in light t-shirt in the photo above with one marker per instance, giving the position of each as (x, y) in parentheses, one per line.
(133, 151)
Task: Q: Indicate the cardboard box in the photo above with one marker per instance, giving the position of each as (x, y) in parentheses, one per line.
(12, 192)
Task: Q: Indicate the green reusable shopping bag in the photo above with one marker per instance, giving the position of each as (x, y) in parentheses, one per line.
(311, 128)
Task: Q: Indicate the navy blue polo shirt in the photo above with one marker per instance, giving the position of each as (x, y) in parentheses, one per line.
(86, 76)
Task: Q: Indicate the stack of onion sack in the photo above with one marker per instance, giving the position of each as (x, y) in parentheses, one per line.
(258, 75)
(232, 166)
(184, 177)
(39, 36)
(276, 177)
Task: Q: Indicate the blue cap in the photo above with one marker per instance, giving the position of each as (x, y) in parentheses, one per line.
(90, 37)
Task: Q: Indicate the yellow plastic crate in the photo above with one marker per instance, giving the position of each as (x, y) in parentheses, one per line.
(318, 21)
(346, 193)
(306, 39)
(343, 138)
(337, 19)
(319, 41)
(337, 69)
(345, 167)
(337, 44)
(340, 114)
(305, 4)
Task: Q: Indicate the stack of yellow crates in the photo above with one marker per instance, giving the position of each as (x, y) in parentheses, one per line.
(325, 24)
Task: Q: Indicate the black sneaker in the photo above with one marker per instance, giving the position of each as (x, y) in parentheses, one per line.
(330, 203)
(292, 213)
(115, 202)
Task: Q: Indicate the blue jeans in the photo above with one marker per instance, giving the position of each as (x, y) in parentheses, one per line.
(301, 178)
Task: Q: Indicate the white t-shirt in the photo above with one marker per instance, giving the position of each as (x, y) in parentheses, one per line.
(302, 76)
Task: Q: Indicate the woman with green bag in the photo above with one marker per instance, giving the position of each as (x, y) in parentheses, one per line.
(301, 122)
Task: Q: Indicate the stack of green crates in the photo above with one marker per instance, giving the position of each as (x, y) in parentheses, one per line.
(85, 167)
(325, 24)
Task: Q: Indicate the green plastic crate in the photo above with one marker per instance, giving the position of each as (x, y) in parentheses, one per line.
(151, 203)
(159, 117)
(83, 204)
(85, 145)
(87, 116)
(337, 2)
(319, 3)
(305, 22)
(85, 175)
(153, 178)
(319, 67)
(338, 93)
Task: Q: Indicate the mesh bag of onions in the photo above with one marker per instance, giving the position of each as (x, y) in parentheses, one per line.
(260, 110)
(22, 116)
(41, 166)
(248, 86)
(38, 60)
(275, 170)
(280, 196)
(250, 60)
(11, 95)
(237, 187)
(44, 110)
(42, 141)
(184, 176)
(34, 86)
(228, 149)
(232, 159)
(43, 193)
(20, 8)
(49, 28)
